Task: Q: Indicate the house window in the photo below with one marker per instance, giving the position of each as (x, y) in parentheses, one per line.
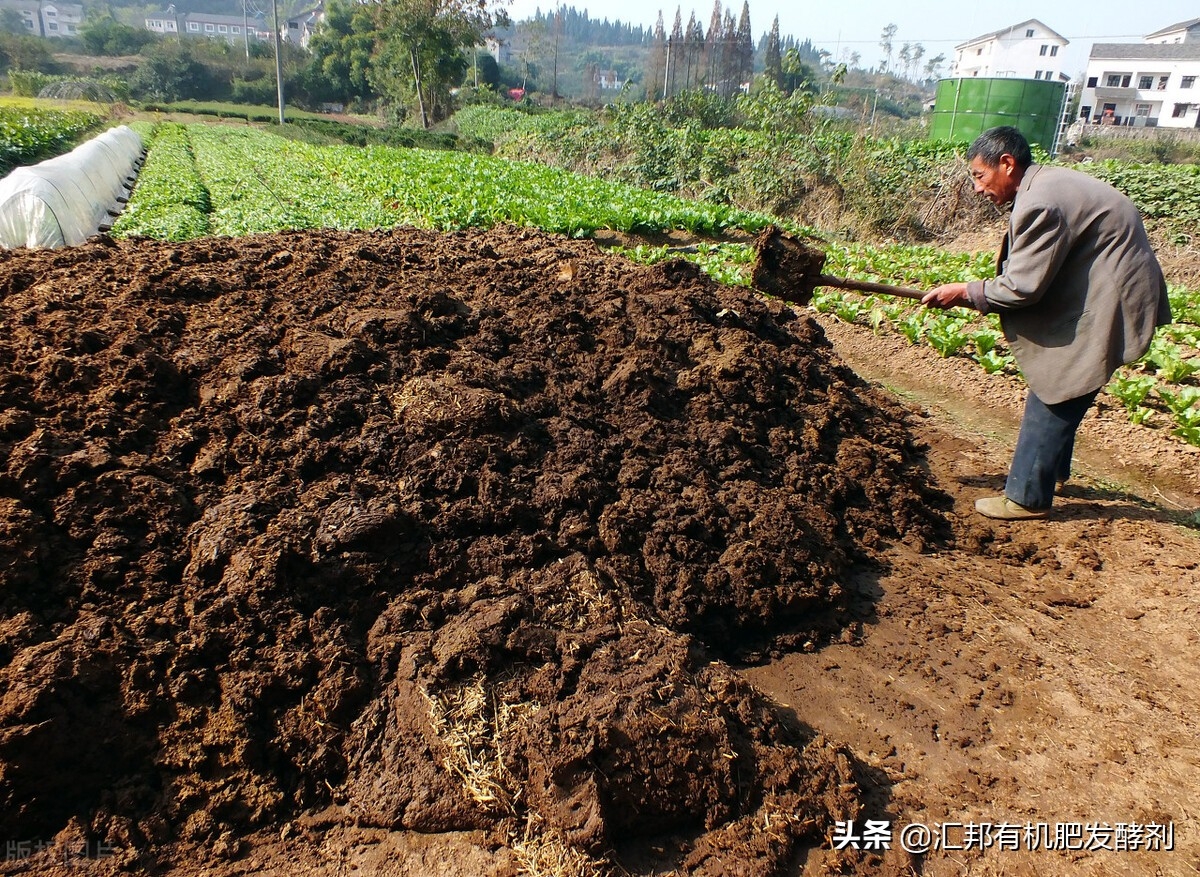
(1049, 74)
(1085, 113)
(1029, 33)
(1187, 82)
(29, 24)
(235, 29)
(1180, 111)
(1092, 81)
(208, 28)
(1126, 79)
(53, 25)
(1145, 81)
(1141, 110)
(1118, 80)
(221, 28)
(193, 27)
(1044, 50)
(979, 51)
(1162, 83)
(1053, 51)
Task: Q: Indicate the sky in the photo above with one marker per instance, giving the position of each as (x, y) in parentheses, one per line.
(938, 25)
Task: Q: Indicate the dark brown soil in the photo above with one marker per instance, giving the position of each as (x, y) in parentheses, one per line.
(423, 531)
(786, 267)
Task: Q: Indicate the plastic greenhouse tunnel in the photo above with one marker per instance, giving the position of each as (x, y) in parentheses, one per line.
(65, 200)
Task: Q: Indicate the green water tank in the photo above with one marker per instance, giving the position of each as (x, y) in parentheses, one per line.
(965, 108)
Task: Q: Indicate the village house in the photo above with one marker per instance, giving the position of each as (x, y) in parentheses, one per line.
(43, 19)
(232, 28)
(1028, 50)
(299, 29)
(1145, 85)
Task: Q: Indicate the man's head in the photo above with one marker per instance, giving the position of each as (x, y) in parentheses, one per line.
(999, 158)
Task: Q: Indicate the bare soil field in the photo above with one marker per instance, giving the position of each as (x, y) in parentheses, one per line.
(491, 553)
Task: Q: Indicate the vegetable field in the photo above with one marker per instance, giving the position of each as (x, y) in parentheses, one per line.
(258, 182)
(29, 134)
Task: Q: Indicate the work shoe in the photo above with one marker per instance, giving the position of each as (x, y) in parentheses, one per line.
(1004, 509)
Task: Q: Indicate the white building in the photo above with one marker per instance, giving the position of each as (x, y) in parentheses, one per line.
(45, 18)
(1185, 31)
(299, 29)
(1148, 84)
(164, 22)
(1028, 50)
(231, 28)
(30, 12)
(61, 19)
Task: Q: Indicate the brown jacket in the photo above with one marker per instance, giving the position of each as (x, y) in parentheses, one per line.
(1079, 290)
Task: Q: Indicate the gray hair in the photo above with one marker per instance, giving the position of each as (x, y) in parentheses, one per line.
(995, 142)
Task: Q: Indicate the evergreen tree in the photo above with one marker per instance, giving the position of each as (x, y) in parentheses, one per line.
(773, 56)
(730, 64)
(694, 53)
(712, 46)
(674, 55)
(744, 48)
(656, 61)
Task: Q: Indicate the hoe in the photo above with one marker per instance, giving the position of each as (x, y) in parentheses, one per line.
(786, 267)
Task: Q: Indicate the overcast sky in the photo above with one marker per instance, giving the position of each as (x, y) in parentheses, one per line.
(938, 25)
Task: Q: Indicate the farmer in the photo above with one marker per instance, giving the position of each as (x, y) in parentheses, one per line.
(1079, 293)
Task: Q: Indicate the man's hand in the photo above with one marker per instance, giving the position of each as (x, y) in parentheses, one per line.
(947, 295)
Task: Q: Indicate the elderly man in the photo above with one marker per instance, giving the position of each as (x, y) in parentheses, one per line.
(1079, 293)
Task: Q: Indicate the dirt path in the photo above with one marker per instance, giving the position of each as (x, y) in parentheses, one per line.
(1041, 672)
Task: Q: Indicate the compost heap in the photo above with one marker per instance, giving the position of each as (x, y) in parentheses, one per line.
(444, 531)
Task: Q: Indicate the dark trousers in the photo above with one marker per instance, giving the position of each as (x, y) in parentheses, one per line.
(1044, 448)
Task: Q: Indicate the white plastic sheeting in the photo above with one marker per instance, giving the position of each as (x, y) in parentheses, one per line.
(65, 200)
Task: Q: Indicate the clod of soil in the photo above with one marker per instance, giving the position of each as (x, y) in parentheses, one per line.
(786, 267)
(445, 530)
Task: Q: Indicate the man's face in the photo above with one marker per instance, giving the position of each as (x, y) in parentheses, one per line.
(998, 183)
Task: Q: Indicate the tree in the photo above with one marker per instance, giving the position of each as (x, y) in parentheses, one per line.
(11, 22)
(656, 61)
(933, 65)
(170, 73)
(674, 54)
(558, 30)
(26, 53)
(694, 53)
(487, 71)
(104, 35)
(341, 54)
(418, 51)
(797, 75)
(885, 43)
(772, 57)
(728, 70)
(712, 45)
(744, 48)
(918, 52)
